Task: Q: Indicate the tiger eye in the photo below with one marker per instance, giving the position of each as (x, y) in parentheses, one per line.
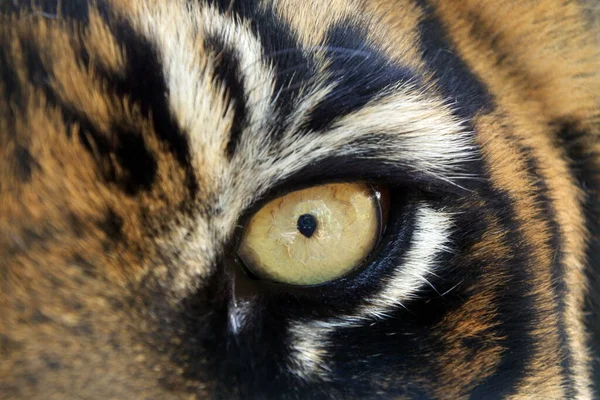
(314, 235)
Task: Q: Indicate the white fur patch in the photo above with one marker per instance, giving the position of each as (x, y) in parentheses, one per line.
(430, 238)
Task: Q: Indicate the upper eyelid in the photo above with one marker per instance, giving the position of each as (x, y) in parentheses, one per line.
(352, 169)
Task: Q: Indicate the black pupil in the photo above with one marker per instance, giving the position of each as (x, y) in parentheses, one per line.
(307, 224)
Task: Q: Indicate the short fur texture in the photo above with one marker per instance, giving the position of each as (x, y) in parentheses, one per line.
(138, 136)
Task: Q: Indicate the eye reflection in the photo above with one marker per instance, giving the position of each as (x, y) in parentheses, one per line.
(314, 235)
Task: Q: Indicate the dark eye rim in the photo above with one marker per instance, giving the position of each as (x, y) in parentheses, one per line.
(343, 295)
(382, 203)
(408, 191)
(392, 244)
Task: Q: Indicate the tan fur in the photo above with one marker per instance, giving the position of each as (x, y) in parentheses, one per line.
(565, 86)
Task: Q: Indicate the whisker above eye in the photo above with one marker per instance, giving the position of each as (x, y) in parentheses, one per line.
(333, 49)
(328, 49)
(279, 73)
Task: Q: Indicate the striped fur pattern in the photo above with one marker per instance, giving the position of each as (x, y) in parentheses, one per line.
(138, 136)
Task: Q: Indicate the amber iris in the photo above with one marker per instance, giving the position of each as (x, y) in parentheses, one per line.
(314, 235)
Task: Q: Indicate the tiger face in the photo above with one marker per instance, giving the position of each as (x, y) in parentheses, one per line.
(298, 199)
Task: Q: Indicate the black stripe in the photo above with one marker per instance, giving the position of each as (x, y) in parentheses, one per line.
(584, 165)
(293, 68)
(240, 7)
(143, 83)
(12, 88)
(466, 92)
(111, 225)
(359, 71)
(11, 97)
(227, 74)
(25, 163)
(135, 159)
(518, 318)
(547, 213)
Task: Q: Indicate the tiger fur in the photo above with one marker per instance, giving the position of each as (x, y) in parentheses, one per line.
(137, 136)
